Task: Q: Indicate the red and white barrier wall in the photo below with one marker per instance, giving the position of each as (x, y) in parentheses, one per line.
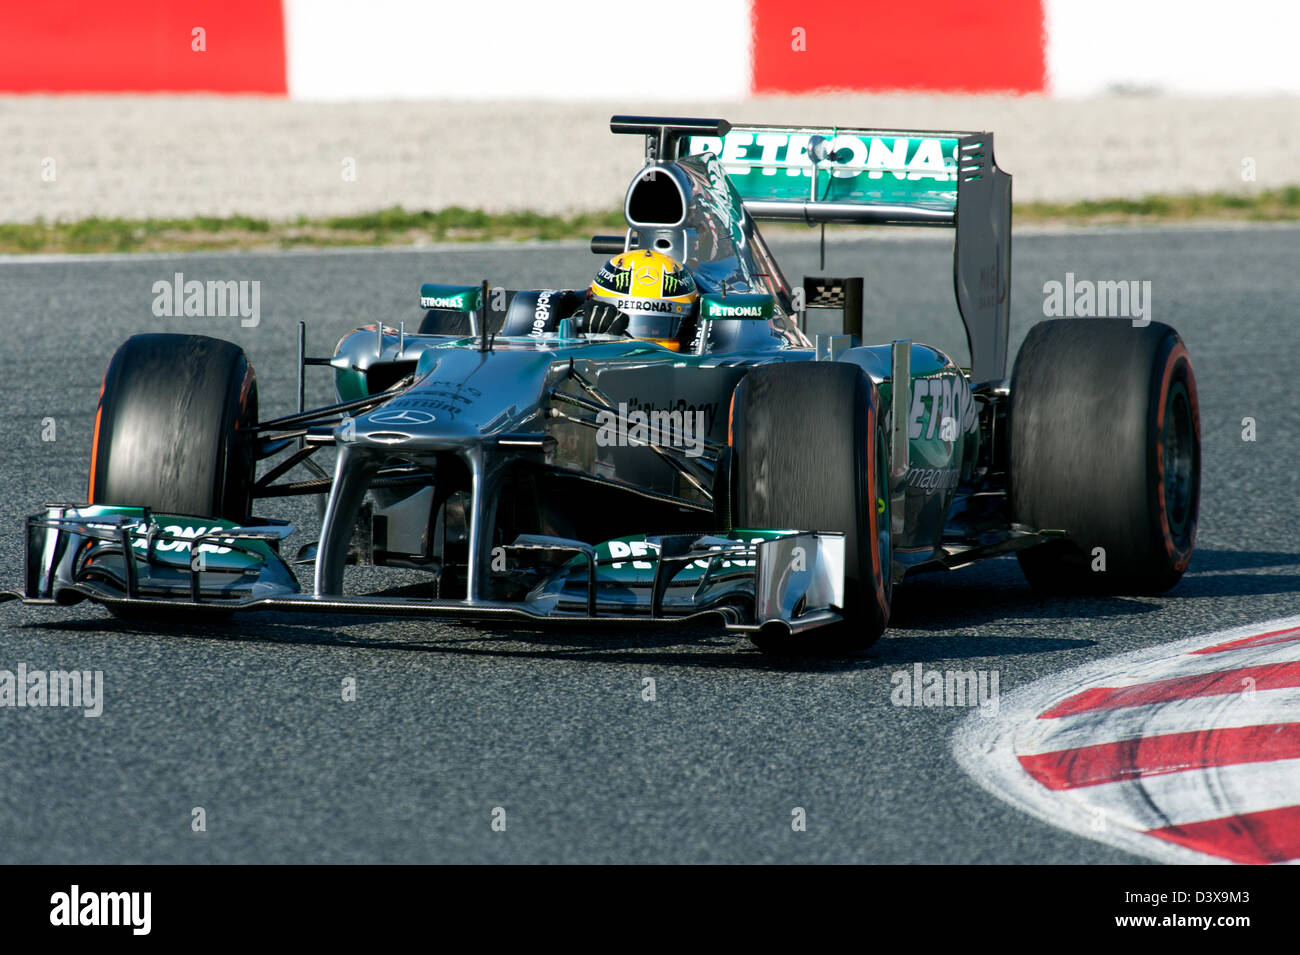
(671, 50)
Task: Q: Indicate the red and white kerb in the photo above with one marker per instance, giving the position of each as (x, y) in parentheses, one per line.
(1188, 752)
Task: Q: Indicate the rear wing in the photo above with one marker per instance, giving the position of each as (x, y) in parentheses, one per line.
(872, 177)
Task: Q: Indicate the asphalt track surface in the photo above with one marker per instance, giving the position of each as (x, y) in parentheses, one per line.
(246, 719)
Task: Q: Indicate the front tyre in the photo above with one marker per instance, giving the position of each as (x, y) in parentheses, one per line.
(172, 428)
(808, 452)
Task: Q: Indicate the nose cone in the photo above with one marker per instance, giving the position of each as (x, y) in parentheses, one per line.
(465, 397)
(405, 420)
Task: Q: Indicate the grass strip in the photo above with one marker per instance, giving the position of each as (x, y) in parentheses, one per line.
(397, 226)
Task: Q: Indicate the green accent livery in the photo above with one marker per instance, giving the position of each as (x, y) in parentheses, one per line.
(460, 298)
(173, 545)
(630, 561)
(736, 305)
(862, 166)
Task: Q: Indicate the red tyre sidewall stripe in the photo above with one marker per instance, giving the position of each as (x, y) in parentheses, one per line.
(1176, 355)
(94, 440)
(873, 524)
(731, 421)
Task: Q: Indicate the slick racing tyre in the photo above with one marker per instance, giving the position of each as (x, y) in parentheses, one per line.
(1105, 444)
(808, 452)
(167, 430)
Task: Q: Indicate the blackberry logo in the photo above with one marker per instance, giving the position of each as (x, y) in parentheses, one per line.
(542, 313)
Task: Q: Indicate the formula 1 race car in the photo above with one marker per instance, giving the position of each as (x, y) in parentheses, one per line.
(539, 467)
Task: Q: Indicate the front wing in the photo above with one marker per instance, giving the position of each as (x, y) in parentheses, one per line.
(124, 558)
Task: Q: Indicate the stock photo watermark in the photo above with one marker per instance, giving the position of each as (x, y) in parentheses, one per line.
(31, 688)
(80, 908)
(680, 426)
(1085, 298)
(215, 298)
(920, 687)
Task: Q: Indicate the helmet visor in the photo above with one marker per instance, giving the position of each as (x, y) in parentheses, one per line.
(652, 325)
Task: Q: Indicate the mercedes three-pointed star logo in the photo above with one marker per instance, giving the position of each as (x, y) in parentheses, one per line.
(402, 416)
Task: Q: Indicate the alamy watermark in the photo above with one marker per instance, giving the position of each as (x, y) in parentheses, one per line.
(127, 909)
(681, 427)
(922, 687)
(217, 298)
(1084, 298)
(73, 689)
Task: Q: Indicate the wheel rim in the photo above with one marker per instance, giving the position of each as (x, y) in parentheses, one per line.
(1178, 459)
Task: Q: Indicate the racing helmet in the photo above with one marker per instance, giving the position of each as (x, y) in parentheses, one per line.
(654, 290)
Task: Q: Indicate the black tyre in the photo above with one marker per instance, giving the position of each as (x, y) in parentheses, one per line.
(808, 452)
(1105, 443)
(168, 428)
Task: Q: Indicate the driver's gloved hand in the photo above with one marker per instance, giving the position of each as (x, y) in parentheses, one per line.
(598, 318)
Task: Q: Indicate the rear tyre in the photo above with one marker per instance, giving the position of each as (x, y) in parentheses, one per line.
(170, 428)
(1105, 443)
(808, 452)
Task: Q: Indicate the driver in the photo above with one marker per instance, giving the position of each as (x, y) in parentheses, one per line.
(644, 294)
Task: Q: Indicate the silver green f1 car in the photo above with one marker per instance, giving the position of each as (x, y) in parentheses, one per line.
(745, 476)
